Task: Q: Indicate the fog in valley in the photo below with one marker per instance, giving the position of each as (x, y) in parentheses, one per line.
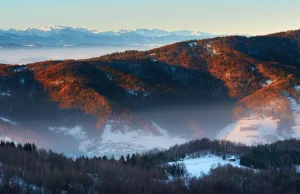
(29, 55)
(148, 126)
(75, 133)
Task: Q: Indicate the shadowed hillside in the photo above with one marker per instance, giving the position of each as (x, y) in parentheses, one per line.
(192, 88)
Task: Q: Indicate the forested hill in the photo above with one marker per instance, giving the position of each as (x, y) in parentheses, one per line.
(181, 87)
(263, 169)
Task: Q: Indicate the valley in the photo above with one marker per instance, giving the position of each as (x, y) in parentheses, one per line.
(235, 88)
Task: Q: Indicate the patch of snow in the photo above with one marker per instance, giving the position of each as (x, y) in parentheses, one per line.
(5, 139)
(153, 60)
(146, 94)
(7, 120)
(76, 132)
(297, 88)
(192, 44)
(197, 167)
(295, 108)
(132, 92)
(5, 94)
(232, 158)
(298, 169)
(109, 77)
(22, 80)
(268, 82)
(116, 142)
(20, 69)
(211, 51)
(251, 130)
(15, 180)
(196, 34)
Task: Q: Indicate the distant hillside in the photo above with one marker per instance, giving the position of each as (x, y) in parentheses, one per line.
(63, 36)
(236, 88)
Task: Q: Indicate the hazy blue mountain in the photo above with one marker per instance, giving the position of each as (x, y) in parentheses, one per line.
(54, 36)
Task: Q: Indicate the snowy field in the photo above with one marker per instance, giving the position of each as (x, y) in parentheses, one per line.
(118, 143)
(200, 166)
(257, 129)
(251, 130)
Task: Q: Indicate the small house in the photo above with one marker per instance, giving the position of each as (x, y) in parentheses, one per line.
(232, 159)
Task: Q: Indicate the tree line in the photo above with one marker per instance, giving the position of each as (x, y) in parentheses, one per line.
(26, 169)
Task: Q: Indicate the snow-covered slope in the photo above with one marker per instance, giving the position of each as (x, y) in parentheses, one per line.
(295, 108)
(199, 166)
(251, 130)
(257, 129)
(116, 143)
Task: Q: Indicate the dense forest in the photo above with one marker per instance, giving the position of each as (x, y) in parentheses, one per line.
(27, 169)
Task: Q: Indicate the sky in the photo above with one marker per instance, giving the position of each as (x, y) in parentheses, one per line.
(253, 17)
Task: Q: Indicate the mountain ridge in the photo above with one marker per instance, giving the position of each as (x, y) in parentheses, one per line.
(181, 87)
(63, 35)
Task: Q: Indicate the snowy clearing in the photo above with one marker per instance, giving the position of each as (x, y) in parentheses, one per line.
(251, 130)
(116, 142)
(199, 166)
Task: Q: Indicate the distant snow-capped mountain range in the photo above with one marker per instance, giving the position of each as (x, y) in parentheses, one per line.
(71, 36)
